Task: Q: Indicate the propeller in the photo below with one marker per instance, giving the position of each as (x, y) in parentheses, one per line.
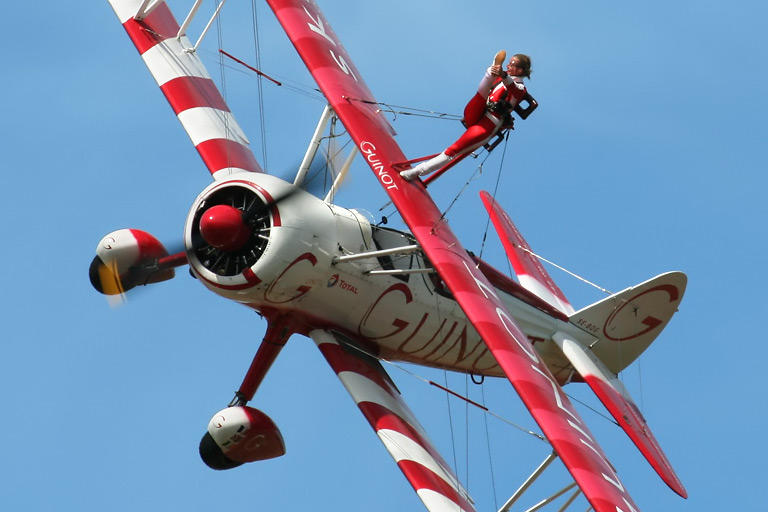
(230, 232)
(127, 258)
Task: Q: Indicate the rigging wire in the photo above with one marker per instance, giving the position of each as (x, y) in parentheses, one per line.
(475, 175)
(222, 76)
(296, 87)
(409, 111)
(466, 430)
(259, 81)
(564, 270)
(450, 423)
(541, 258)
(457, 395)
(495, 191)
(607, 418)
(490, 453)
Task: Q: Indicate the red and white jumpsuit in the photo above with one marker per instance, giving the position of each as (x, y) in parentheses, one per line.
(482, 118)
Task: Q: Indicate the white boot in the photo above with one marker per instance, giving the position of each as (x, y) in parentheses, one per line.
(486, 84)
(426, 167)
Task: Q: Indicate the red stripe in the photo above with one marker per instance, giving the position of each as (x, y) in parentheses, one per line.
(187, 92)
(155, 28)
(632, 421)
(382, 418)
(422, 478)
(222, 153)
(340, 361)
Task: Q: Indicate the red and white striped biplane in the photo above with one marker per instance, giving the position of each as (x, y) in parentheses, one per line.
(414, 296)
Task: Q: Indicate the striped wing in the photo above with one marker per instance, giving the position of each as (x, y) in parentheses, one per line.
(189, 89)
(397, 427)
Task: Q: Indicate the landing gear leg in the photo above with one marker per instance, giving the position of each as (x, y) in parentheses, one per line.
(239, 433)
(278, 332)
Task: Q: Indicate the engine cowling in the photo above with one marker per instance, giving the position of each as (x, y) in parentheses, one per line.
(124, 259)
(237, 435)
(255, 238)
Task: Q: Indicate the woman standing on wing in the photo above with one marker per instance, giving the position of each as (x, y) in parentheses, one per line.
(486, 113)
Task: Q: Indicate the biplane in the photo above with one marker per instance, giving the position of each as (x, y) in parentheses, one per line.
(365, 293)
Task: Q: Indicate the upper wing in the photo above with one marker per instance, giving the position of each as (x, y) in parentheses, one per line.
(189, 89)
(397, 427)
(532, 275)
(342, 85)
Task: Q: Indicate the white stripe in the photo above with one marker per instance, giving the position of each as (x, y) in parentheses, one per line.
(226, 172)
(404, 448)
(436, 502)
(125, 9)
(545, 293)
(168, 60)
(321, 338)
(364, 389)
(206, 123)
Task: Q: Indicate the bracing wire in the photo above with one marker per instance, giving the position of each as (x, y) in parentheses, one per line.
(475, 175)
(222, 75)
(461, 397)
(541, 258)
(490, 452)
(260, 82)
(450, 423)
(466, 429)
(409, 111)
(495, 191)
(564, 270)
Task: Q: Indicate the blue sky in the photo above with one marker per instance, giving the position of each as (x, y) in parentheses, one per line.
(647, 154)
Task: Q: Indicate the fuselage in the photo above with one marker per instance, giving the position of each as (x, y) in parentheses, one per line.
(326, 267)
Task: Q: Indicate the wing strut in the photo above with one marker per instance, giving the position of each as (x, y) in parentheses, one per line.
(191, 16)
(146, 9)
(531, 479)
(314, 145)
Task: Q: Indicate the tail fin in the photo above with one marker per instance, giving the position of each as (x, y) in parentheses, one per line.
(626, 323)
(529, 270)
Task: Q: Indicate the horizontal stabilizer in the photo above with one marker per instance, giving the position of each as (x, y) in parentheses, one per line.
(528, 268)
(616, 399)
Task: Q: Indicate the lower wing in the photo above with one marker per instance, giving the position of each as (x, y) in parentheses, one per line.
(394, 423)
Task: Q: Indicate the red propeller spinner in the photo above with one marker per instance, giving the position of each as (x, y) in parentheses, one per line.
(222, 226)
